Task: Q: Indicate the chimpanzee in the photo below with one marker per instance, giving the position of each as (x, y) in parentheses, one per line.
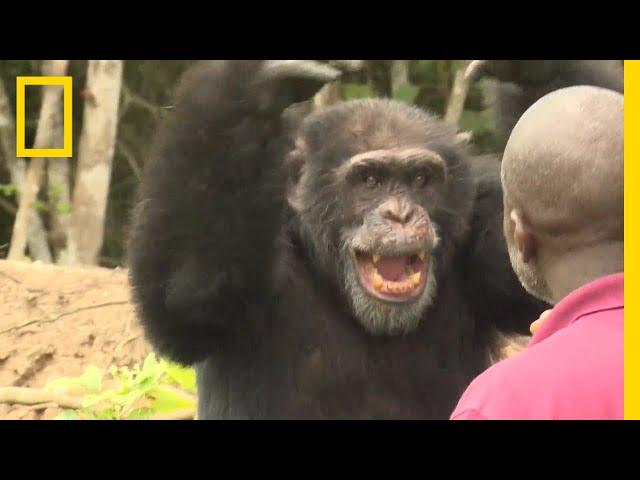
(353, 268)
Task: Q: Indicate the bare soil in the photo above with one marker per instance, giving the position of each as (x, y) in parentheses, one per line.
(55, 321)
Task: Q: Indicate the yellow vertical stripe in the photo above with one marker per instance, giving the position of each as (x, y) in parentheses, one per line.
(631, 234)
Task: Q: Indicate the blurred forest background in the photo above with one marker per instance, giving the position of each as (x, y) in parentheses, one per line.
(75, 211)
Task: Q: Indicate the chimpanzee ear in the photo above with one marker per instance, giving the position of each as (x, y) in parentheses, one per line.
(295, 164)
(293, 116)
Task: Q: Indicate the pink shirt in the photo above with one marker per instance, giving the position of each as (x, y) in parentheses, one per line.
(572, 368)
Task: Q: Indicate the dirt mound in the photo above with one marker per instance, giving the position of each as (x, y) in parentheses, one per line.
(55, 321)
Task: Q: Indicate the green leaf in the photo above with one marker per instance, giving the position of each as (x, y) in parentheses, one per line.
(148, 383)
(88, 415)
(140, 414)
(68, 415)
(91, 379)
(61, 384)
(106, 414)
(63, 208)
(183, 376)
(151, 366)
(7, 189)
(166, 399)
(55, 190)
(478, 122)
(351, 91)
(406, 93)
(91, 399)
(127, 399)
(40, 206)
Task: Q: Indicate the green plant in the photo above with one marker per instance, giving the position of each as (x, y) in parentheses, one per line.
(7, 189)
(155, 389)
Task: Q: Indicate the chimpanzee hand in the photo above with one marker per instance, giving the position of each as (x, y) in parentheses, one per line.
(285, 82)
(522, 72)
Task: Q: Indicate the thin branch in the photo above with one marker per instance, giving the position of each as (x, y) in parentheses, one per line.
(133, 98)
(36, 396)
(458, 94)
(131, 159)
(41, 398)
(64, 314)
(125, 342)
(6, 275)
(43, 406)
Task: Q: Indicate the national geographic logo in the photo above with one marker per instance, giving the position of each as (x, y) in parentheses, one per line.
(21, 150)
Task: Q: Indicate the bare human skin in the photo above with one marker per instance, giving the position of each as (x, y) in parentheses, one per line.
(563, 192)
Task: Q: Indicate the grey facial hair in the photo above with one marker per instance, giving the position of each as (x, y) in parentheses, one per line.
(378, 317)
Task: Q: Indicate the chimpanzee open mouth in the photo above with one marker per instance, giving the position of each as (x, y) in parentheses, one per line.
(392, 278)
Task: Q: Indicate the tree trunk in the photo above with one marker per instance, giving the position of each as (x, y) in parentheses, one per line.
(59, 197)
(17, 168)
(95, 156)
(49, 124)
(399, 74)
(379, 73)
(458, 94)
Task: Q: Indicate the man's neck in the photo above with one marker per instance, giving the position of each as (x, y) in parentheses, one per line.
(579, 267)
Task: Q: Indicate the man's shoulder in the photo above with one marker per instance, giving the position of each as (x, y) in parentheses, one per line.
(499, 390)
(547, 374)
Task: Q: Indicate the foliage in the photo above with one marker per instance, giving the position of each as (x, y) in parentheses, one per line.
(151, 390)
(406, 93)
(7, 189)
(148, 87)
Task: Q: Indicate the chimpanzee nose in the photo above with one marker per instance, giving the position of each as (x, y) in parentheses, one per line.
(397, 210)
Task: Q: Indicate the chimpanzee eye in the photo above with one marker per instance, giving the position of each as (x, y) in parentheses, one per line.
(420, 180)
(371, 181)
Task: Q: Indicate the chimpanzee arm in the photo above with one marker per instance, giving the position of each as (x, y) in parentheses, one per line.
(520, 83)
(203, 241)
(493, 288)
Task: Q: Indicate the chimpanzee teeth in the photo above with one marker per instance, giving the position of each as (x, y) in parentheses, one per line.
(382, 285)
(378, 281)
(375, 257)
(422, 255)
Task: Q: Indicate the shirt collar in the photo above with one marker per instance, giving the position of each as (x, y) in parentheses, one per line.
(601, 294)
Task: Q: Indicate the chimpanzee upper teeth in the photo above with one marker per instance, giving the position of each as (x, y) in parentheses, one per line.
(422, 255)
(375, 257)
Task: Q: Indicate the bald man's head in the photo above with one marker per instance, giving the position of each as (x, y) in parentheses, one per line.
(562, 174)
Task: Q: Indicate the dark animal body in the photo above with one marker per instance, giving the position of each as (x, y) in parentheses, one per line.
(353, 268)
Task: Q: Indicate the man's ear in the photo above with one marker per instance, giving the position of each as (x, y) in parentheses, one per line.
(523, 238)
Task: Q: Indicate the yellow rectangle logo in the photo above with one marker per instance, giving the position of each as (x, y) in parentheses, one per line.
(21, 150)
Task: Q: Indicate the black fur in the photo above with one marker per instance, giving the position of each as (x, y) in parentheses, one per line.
(521, 82)
(228, 276)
